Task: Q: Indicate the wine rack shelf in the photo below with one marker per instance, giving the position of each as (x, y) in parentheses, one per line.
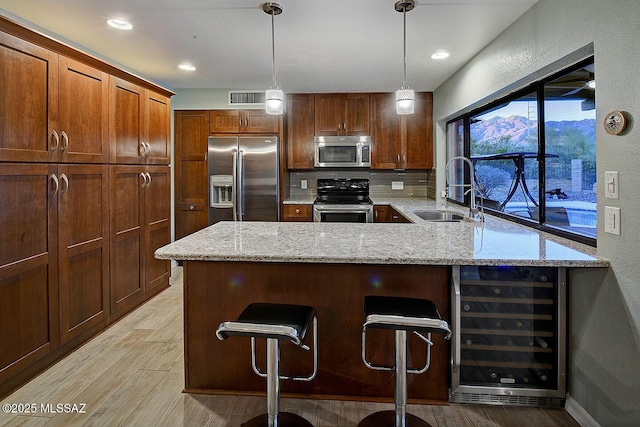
(509, 330)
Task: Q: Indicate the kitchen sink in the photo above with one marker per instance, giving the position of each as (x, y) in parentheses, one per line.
(442, 216)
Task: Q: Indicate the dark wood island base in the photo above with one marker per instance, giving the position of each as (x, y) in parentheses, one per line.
(216, 291)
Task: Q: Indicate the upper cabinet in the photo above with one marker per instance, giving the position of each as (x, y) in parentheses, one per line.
(243, 121)
(342, 114)
(300, 130)
(401, 141)
(139, 122)
(52, 108)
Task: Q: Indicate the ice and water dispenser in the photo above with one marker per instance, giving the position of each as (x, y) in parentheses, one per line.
(221, 189)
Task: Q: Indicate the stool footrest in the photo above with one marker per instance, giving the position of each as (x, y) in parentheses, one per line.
(285, 419)
(387, 419)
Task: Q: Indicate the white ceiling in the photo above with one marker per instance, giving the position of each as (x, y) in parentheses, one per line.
(321, 45)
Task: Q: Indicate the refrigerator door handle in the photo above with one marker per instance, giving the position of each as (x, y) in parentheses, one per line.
(240, 187)
(235, 185)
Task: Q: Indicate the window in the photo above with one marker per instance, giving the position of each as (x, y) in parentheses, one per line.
(534, 154)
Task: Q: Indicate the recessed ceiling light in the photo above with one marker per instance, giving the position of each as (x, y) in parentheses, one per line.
(187, 67)
(441, 54)
(119, 23)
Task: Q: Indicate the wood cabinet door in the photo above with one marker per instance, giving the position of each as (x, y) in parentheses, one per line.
(191, 132)
(225, 121)
(385, 135)
(356, 114)
(157, 125)
(300, 131)
(380, 213)
(258, 121)
(190, 218)
(28, 266)
(83, 247)
(126, 240)
(157, 213)
(126, 114)
(329, 109)
(29, 102)
(84, 113)
(419, 133)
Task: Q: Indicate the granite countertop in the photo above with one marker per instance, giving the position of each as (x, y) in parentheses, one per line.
(494, 242)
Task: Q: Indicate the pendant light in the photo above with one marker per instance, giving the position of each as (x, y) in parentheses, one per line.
(274, 97)
(405, 96)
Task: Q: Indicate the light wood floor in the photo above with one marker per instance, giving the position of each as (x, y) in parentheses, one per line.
(132, 375)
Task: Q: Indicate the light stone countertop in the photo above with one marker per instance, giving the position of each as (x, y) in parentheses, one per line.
(494, 242)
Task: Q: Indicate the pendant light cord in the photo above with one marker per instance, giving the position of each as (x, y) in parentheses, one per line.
(273, 50)
(404, 72)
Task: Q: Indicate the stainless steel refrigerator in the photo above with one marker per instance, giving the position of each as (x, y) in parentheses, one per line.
(243, 179)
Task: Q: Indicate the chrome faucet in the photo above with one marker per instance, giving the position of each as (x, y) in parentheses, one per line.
(473, 208)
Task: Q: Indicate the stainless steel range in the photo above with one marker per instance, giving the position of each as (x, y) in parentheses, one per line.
(343, 200)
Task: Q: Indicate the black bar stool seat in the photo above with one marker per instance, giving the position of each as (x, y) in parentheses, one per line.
(401, 315)
(274, 322)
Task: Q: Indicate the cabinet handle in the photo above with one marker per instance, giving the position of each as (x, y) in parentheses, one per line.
(297, 211)
(455, 306)
(246, 122)
(191, 207)
(56, 138)
(143, 149)
(149, 179)
(56, 184)
(146, 149)
(240, 123)
(65, 141)
(398, 157)
(375, 213)
(64, 179)
(144, 180)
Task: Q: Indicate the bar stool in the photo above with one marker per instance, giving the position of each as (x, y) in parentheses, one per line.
(274, 322)
(400, 315)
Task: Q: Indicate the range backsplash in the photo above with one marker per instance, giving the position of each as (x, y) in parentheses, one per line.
(419, 184)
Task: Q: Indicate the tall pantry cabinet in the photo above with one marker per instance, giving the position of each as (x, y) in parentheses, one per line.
(60, 201)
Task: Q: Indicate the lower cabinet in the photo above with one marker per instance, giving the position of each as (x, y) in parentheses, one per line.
(54, 259)
(380, 213)
(140, 223)
(190, 218)
(385, 213)
(299, 213)
(58, 248)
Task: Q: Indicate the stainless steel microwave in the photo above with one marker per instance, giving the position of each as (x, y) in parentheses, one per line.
(342, 151)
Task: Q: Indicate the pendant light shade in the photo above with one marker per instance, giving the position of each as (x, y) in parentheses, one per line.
(274, 97)
(404, 96)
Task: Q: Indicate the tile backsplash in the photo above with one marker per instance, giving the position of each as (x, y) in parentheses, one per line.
(419, 184)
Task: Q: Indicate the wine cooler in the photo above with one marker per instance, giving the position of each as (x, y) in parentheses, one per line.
(509, 335)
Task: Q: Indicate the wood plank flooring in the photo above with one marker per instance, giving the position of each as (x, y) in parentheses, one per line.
(132, 375)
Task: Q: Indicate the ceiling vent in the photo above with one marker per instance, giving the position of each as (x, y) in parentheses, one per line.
(245, 97)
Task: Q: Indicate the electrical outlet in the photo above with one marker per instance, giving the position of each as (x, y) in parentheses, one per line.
(612, 220)
(611, 185)
(397, 185)
(303, 184)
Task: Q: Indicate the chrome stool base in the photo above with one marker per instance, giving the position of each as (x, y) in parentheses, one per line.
(285, 419)
(388, 419)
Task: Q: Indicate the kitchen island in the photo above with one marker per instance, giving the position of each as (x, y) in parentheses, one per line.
(332, 267)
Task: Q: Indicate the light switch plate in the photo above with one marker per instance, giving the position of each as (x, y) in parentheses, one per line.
(303, 184)
(611, 185)
(612, 220)
(397, 185)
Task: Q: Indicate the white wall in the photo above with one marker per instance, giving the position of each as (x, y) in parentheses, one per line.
(604, 347)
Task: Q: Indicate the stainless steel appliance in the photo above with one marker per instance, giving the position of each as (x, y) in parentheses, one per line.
(343, 200)
(509, 335)
(243, 179)
(342, 151)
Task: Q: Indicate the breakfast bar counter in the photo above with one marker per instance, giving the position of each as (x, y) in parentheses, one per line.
(331, 267)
